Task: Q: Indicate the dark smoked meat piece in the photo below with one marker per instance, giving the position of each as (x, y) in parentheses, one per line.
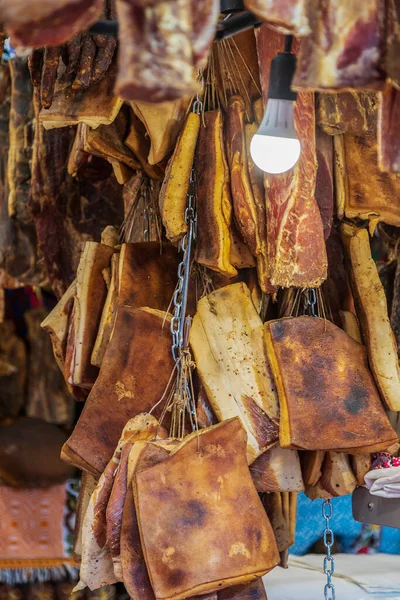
(106, 45)
(35, 64)
(51, 60)
(37, 23)
(67, 211)
(82, 79)
(73, 55)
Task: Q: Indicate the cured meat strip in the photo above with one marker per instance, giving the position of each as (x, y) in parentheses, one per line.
(367, 193)
(287, 17)
(39, 23)
(324, 183)
(296, 248)
(244, 206)
(51, 60)
(130, 382)
(21, 114)
(372, 311)
(156, 60)
(346, 112)
(226, 335)
(388, 131)
(183, 497)
(277, 470)
(345, 48)
(214, 209)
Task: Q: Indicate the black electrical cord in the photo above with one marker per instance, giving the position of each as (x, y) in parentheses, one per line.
(288, 43)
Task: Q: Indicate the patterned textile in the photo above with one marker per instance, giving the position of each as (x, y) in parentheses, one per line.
(36, 531)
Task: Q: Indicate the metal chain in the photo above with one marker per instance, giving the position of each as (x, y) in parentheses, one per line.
(179, 325)
(310, 302)
(329, 561)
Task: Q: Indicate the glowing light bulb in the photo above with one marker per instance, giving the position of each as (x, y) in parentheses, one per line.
(275, 147)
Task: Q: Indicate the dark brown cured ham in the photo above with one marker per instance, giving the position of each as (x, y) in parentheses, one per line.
(296, 248)
(38, 23)
(289, 16)
(345, 48)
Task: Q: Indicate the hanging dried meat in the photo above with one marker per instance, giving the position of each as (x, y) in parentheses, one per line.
(295, 240)
(173, 194)
(214, 208)
(64, 207)
(156, 61)
(91, 292)
(96, 564)
(388, 132)
(287, 17)
(346, 112)
(162, 121)
(345, 48)
(367, 193)
(227, 343)
(277, 470)
(324, 192)
(130, 382)
(108, 315)
(47, 394)
(38, 23)
(372, 311)
(311, 379)
(183, 498)
(244, 205)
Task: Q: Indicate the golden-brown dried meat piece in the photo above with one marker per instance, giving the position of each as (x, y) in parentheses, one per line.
(183, 498)
(321, 371)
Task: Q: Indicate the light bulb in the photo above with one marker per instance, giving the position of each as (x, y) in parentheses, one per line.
(275, 147)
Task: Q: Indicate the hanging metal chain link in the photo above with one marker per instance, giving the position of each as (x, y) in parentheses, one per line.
(329, 561)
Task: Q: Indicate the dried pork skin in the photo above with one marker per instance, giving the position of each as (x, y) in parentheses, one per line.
(56, 324)
(147, 276)
(88, 483)
(213, 201)
(295, 241)
(388, 131)
(244, 205)
(369, 193)
(287, 17)
(277, 470)
(173, 194)
(372, 312)
(337, 477)
(156, 61)
(349, 112)
(108, 315)
(227, 343)
(134, 571)
(39, 23)
(163, 121)
(181, 500)
(21, 115)
(276, 506)
(138, 141)
(324, 183)
(307, 357)
(129, 383)
(96, 564)
(91, 293)
(345, 48)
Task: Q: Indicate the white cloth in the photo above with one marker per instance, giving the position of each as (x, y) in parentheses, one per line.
(356, 577)
(384, 482)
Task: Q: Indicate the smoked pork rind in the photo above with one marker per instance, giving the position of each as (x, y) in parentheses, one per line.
(203, 491)
(328, 398)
